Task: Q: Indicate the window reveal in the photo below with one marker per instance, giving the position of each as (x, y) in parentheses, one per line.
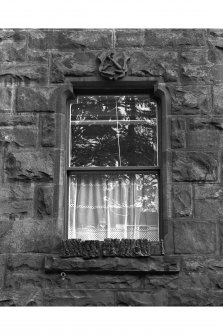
(113, 168)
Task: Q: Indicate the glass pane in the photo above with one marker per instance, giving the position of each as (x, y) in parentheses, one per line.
(113, 131)
(113, 205)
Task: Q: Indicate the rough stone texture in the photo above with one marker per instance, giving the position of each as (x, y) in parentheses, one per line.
(44, 201)
(190, 100)
(23, 72)
(208, 201)
(129, 38)
(178, 137)
(154, 64)
(5, 99)
(27, 235)
(82, 64)
(19, 137)
(173, 38)
(36, 67)
(70, 39)
(194, 237)
(29, 165)
(143, 298)
(40, 99)
(195, 166)
(152, 264)
(182, 200)
(64, 297)
(47, 130)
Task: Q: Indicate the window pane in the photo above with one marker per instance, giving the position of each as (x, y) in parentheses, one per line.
(113, 205)
(113, 131)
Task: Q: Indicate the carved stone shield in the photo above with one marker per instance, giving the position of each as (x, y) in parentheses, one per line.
(113, 65)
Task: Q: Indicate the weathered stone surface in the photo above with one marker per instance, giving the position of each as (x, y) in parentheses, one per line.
(190, 100)
(127, 38)
(47, 124)
(194, 73)
(28, 165)
(194, 237)
(27, 235)
(23, 72)
(26, 261)
(201, 263)
(215, 37)
(178, 137)
(39, 56)
(174, 37)
(208, 201)
(143, 298)
(82, 64)
(38, 99)
(154, 64)
(218, 99)
(12, 45)
(182, 200)
(206, 139)
(195, 166)
(2, 270)
(28, 296)
(16, 210)
(73, 39)
(16, 191)
(70, 39)
(148, 264)
(5, 99)
(83, 281)
(195, 297)
(44, 201)
(18, 136)
(194, 56)
(62, 297)
(24, 119)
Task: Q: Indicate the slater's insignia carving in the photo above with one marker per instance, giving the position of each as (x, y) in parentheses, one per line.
(113, 66)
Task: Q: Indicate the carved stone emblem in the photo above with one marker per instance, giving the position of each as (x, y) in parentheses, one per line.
(113, 65)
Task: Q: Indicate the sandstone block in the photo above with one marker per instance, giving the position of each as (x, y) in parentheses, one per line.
(13, 45)
(182, 200)
(23, 72)
(194, 56)
(143, 298)
(207, 139)
(5, 99)
(37, 56)
(33, 262)
(24, 119)
(74, 39)
(178, 137)
(218, 99)
(174, 37)
(70, 64)
(16, 210)
(201, 74)
(127, 38)
(44, 201)
(191, 99)
(40, 39)
(26, 236)
(195, 166)
(41, 99)
(28, 296)
(195, 297)
(154, 64)
(47, 124)
(194, 237)
(29, 165)
(62, 297)
(18, 136)
(208, 201)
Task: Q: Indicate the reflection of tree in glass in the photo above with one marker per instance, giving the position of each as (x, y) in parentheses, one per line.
(131, 132)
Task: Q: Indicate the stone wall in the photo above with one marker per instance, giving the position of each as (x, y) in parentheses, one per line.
(37, 70)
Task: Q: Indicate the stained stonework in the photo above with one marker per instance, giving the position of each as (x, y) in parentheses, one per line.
(40, 69)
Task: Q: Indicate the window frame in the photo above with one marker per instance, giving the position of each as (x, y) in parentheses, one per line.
(114, 88)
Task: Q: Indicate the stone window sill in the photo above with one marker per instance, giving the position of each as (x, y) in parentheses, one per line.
(152, 264)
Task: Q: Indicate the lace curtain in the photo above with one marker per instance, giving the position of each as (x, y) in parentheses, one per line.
(113, 206)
